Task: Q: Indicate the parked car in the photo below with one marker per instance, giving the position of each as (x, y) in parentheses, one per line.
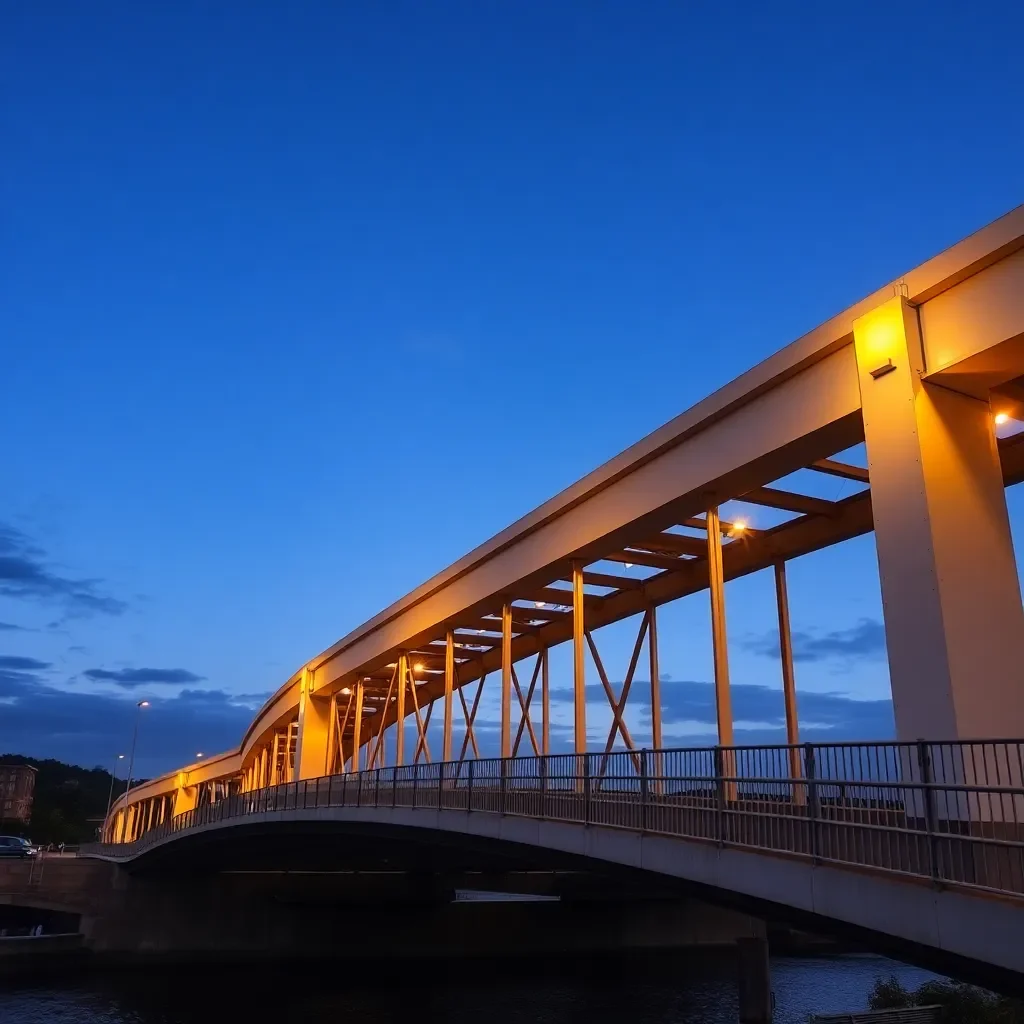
(15, 846)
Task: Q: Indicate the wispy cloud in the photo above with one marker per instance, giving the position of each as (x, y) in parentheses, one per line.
(253, 700)
(11, 627)
(865, 640)
(20, 664)
(25, 575)
(19, 676)
(42, 720)
(129, 678)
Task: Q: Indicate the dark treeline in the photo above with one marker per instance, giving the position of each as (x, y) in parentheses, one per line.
(68, 801)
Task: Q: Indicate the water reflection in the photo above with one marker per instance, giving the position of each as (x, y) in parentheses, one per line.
(681, 989)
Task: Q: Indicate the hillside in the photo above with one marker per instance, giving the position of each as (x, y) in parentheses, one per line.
(66, 797)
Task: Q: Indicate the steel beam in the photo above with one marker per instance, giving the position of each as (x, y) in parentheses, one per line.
(578, 663)
(719, 640)
(506, 680)
(403, 682)
(652, 655)
(449, 683)
(788, 674)
(545, 696)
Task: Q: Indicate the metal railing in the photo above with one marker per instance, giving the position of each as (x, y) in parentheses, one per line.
(950, 812)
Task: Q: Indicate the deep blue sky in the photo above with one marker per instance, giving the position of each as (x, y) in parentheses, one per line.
(301, 302)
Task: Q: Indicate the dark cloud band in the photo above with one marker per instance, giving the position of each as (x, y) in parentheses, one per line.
(24, 575)
(129, 678)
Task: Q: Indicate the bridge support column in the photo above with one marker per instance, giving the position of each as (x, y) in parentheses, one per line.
(185, 798)
(754, 981)
(357, 727)
(951, 597)
(313, 732)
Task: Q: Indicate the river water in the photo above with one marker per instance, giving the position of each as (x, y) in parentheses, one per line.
(682, 990)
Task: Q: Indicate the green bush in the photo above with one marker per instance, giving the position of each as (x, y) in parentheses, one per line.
(961, 1004)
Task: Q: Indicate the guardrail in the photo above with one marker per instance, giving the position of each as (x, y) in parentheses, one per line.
(949, 812)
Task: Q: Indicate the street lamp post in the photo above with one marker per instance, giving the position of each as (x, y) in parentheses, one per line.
(131, 761)
(113, 774)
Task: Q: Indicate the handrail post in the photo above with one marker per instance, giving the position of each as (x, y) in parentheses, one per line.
(586, 789)
(415, 782)
(440, 785)
(813, 808)
(469, 789)
(394, 786)
(544, 786)
(924, 763)
(644, 790)
(501, 785)
(719, 756)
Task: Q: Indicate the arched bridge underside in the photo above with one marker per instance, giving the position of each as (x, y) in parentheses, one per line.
(843, 856)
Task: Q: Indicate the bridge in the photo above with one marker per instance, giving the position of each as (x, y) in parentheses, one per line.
(916, 842)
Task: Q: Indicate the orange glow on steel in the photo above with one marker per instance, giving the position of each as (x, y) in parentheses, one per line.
(883, 334)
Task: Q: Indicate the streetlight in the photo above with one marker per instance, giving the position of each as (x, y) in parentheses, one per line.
(110, 797)
(200, 756)
(135, 735)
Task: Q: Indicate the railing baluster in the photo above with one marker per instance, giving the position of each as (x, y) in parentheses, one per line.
(719, 769)
(924, 764)
(586, 789)
(644, 790)
(812, 800)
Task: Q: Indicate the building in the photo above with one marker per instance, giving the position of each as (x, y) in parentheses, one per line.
(17, 786)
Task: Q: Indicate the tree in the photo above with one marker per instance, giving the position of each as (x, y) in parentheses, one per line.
(961, 1004)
